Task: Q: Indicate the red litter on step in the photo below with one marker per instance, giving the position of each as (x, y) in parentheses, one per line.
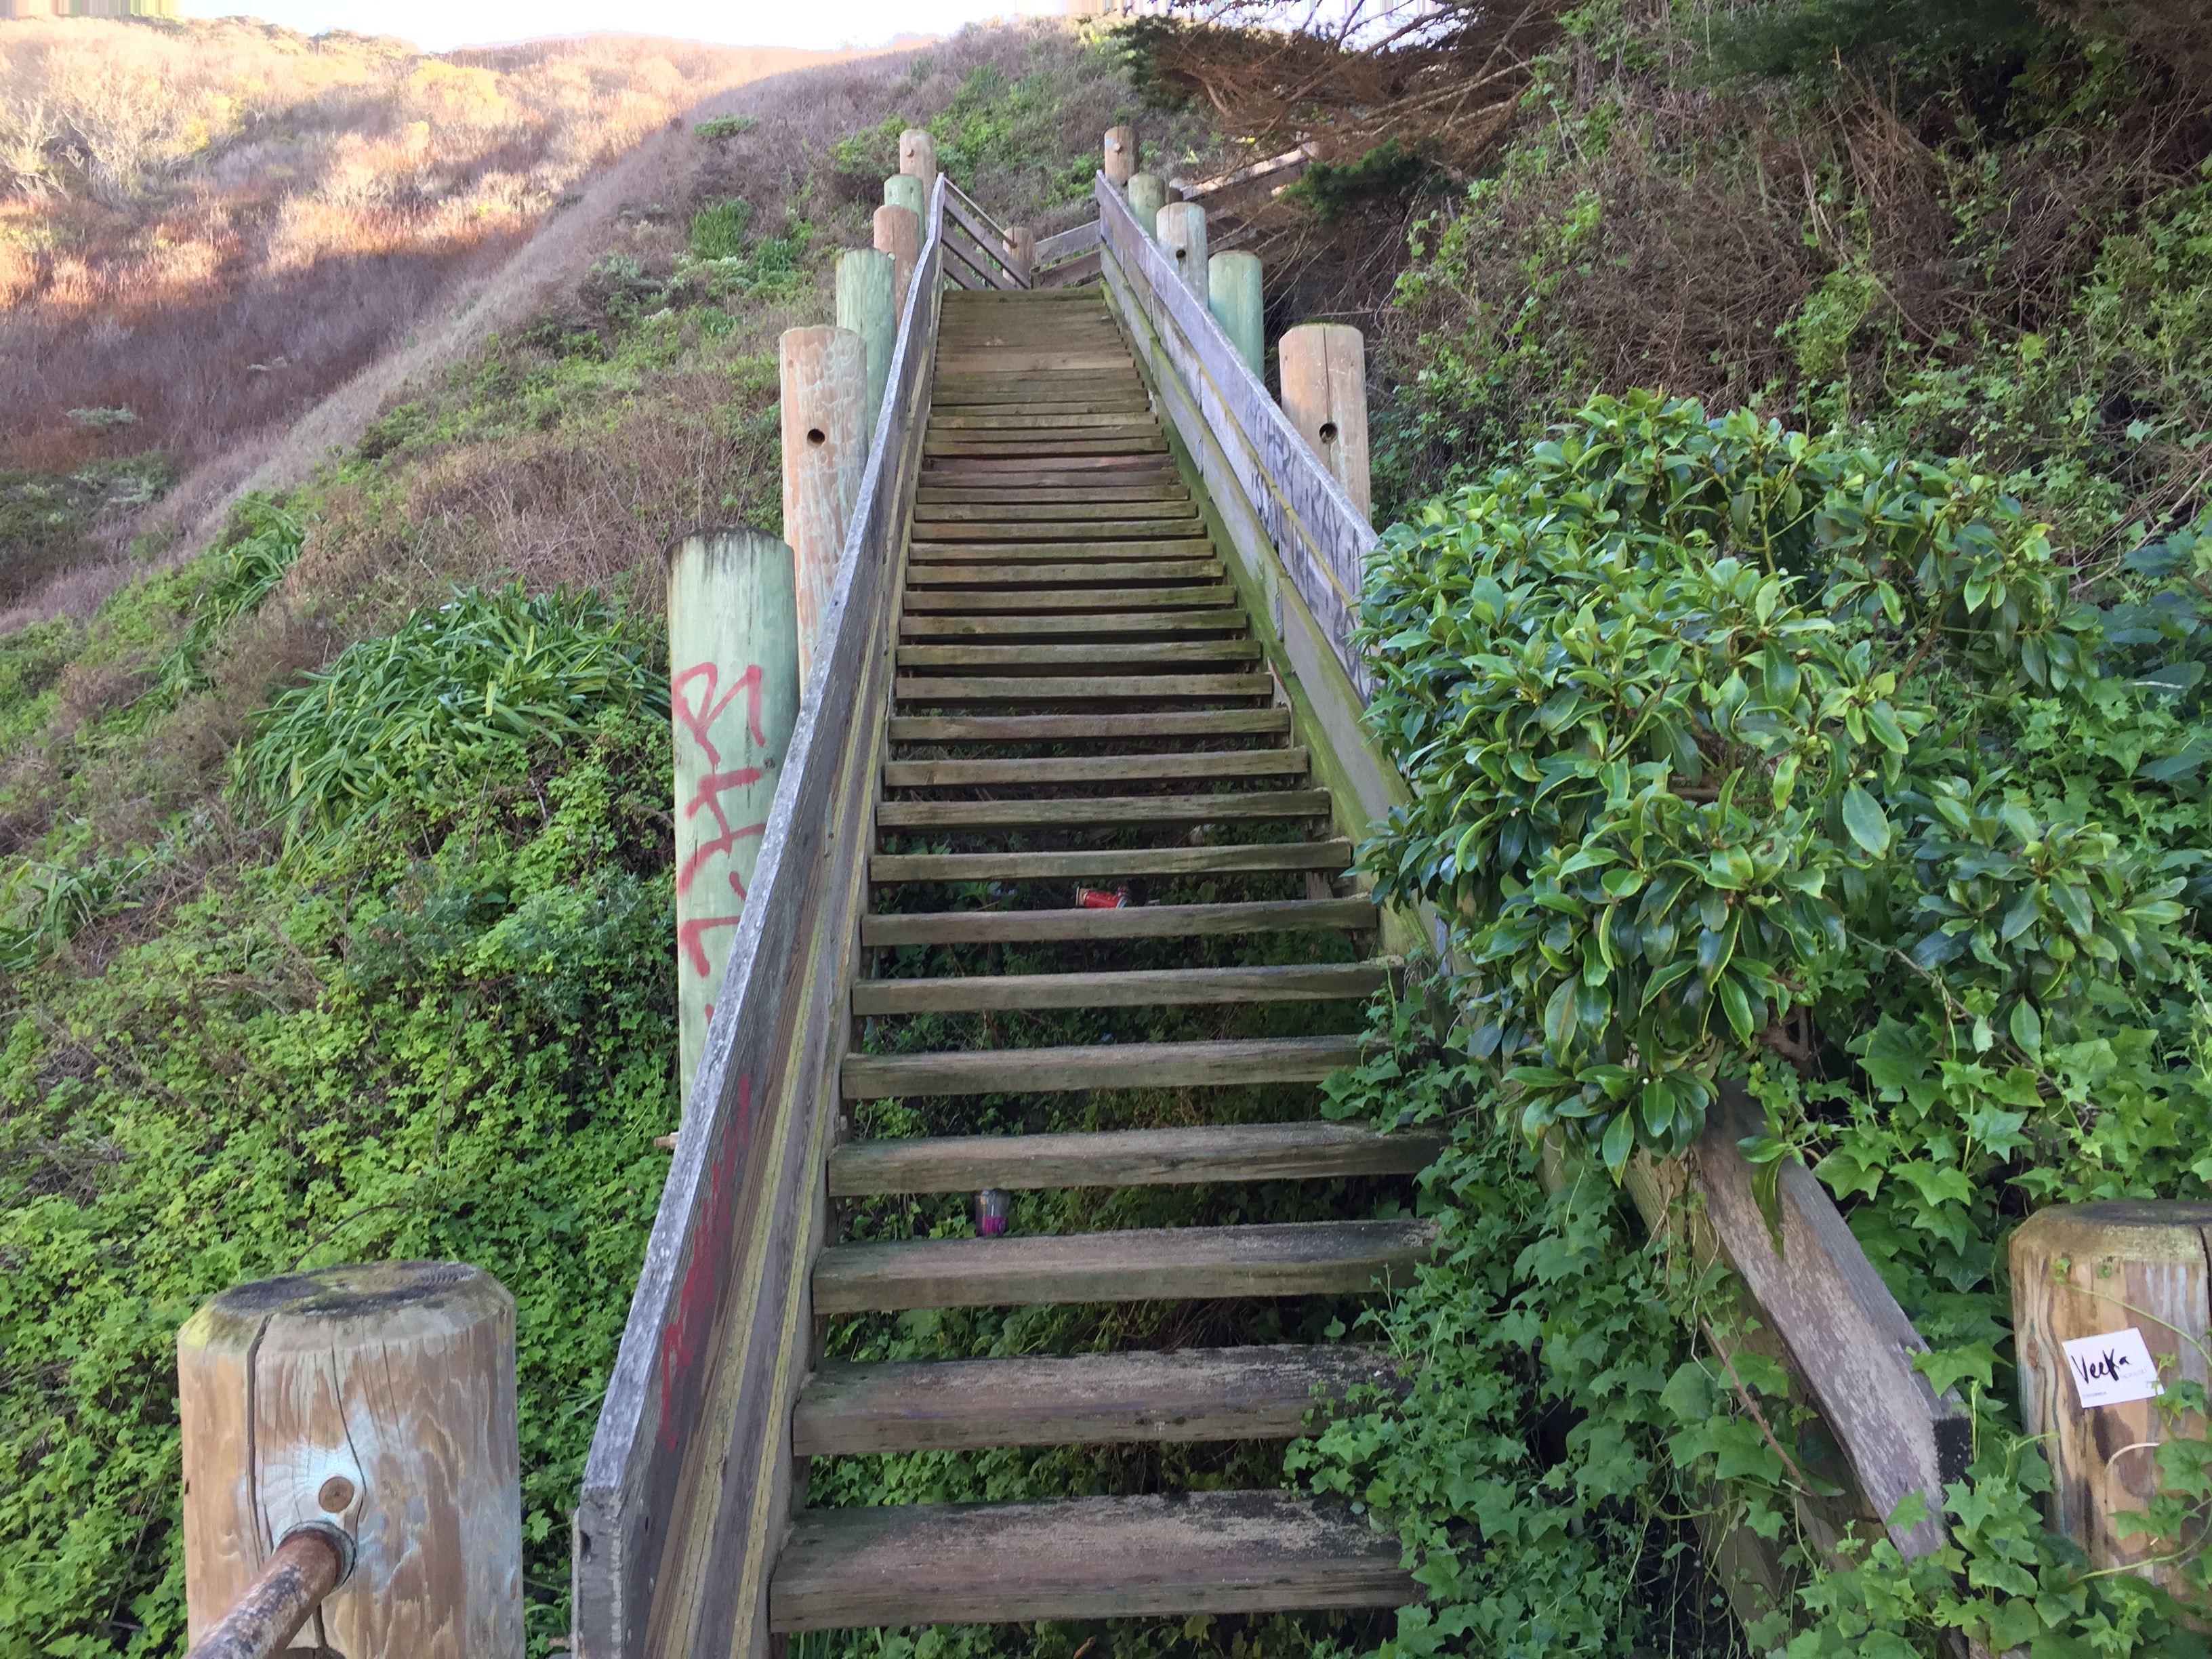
(1102, 898)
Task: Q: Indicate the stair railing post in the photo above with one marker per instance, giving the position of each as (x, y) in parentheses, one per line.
(1182, 238)
(867, 283)
(898, 232)
(1234, 293)
(2105, 1297)
(825, 449)
(1148, 194)
(351, 1463)
(903, 190)
(1324, 368)
(1020, 249)
(918, 158)
(733, 702)
(1121, 158)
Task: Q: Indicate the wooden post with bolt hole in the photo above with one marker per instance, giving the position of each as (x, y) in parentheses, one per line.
(1020, 249)
(371, 1408)
(867, 282)
(918, 158)
(1324, 368)
(825, 449)
(1182, 238)
(1233, 291)
(903, 190)
(1148, 194)
(898, 232)
(733, 702)
(1121, 159)
(2107, 1299)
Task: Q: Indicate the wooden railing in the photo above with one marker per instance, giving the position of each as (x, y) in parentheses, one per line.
(976, 243)
(688, 1481)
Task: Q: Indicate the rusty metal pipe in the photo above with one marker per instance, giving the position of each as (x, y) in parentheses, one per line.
(312, 1561)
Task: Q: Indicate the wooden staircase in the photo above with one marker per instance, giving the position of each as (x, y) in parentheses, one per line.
(1079, 700)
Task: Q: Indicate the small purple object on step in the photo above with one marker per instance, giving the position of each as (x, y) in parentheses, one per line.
(993, 1210)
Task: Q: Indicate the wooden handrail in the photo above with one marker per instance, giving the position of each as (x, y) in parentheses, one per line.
(687, 1485)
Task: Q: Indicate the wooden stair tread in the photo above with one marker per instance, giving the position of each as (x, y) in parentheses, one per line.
(1040, 531)
(931, 626)
(1067, 811)
(1276, 1393)
(1056, 653)
(1014, 573)
(940, 513)
(1297, 1258)
(1226, 1063)
(1071, 552)
(1125, 1158)
(1076, 687)
(1097, 768)
(1080, 1557)
(1332, 857)
(1155, 987)
(1067, 728)
(968, 601)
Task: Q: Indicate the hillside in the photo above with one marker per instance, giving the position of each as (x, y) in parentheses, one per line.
(208, 227)
(295, 970)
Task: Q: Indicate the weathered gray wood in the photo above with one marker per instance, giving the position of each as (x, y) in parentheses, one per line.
(1015, 574)
(1137, 921)
(1019, 421)
(1097, 768)
(687, 1481)
(1306, 1258)
(1090, 1399)
(1850, 1341)
(1025, 509)
(1067, 243)
(1071, 688)
(1323, 370)
(1158, 987)
(377, 1400)
(1065, 536)
(924, 601)
(1067, 728)
(1057, 654)
(1068, 625)
(1329, 857)
(1020, 547)
(1125, 1158)
(1131, 1065)
(1067, 811)
(1085, 1557)
(1083, 268)
(984, 444)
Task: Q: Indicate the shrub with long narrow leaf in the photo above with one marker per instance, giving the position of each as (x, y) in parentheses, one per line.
(484, 670)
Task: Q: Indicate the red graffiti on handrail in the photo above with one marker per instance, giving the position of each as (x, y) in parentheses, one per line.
(685, 1336)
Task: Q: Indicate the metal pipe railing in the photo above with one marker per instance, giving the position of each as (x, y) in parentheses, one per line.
(311, 1562)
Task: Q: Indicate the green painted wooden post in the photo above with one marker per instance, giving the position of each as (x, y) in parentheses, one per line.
(733, 697)
(1148, 194)
(904, 190)
(1233, 294)
(866, 292)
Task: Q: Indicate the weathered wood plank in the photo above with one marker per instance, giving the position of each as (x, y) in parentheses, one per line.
(1083, 268)
(1137, 921)
(1070, 812)
(1065, 625)
(1024, 508)
(1082, 424)
(1329, 857)
(1308, 1258)
(1067, 728)
(1052, 654)
(1074, 688)
(923, 601)
(1108, 443)
(1126, 1157)
(1091, 1399)
(1040, 769)
(966, 551)
(1182, 529)
(1084, 1557)
(1015, 574)
(1067, 243)
(1158, 987)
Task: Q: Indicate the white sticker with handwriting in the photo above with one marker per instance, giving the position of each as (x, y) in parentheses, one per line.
(2112, 1370)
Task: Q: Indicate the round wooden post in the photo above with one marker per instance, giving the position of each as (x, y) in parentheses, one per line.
(1182, 239)
(1233, 291)
(918, 158)
(2103, 1297)
(1324, 372)
(898, 232)
(1121, 159)
(825, 449)
(1148, 194)
(1020, 249)
(866, 283)
(733, 701)
(378, 1400)
(904, 190)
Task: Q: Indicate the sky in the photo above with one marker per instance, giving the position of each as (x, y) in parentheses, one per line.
(442, 24)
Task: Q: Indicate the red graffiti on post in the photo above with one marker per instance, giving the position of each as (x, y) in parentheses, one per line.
(697, 719)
